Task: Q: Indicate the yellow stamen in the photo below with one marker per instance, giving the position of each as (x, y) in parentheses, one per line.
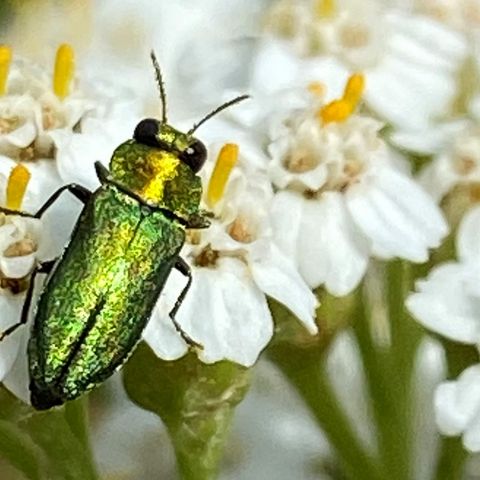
(317, 88)
(341, 109)
(17, 186)
(325, 8)
(227, 159)
(64, 71)
(5, 61)
(354, 88)
(336, 111)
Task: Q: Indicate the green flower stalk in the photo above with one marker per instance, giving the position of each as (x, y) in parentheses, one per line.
(196, 401)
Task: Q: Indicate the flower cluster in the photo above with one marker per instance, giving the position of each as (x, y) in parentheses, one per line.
(305, 187)
(236, 263)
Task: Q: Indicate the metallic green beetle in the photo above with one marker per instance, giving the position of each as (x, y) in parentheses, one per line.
(99, 295)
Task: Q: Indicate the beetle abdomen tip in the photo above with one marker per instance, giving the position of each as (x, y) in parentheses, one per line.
(44, 399)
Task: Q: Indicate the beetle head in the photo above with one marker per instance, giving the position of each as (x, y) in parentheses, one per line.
(187, 148)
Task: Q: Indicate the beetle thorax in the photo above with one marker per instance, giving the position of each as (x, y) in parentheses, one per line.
(157, 176)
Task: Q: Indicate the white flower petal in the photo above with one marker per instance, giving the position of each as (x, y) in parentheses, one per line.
(404, 227)
(430, 140)
(275, 274)
(10, 313)
(443, 303)
(76, 156)
(438, 177)
(347, 248)
(17, 267)
(331, 249)
(312, 245)
(418, 205)
(286, 215)
(160, 332)
(23, 136)
(457, 403)
(471, 438)
(227, 313)
(450, 421)
(468, 237)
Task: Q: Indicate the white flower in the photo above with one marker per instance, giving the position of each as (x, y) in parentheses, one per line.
(457, 407)
(37, 108)
(458, 163)
(463, 15)
(235, 264)
(411, 60)
(447, 302)
(22, 245)
(17, 123)
(351, 30)
(343, 197)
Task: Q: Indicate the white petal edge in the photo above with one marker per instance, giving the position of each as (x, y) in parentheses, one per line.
(442, 304)
(276, 275)
(468, 237)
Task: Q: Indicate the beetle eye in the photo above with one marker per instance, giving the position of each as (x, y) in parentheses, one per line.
(194, 155)
(146, 131)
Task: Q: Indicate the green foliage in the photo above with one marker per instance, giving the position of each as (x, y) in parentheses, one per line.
(51, 445)
(196, 402)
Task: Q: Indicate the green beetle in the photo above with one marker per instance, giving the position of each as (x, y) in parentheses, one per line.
(99, 295)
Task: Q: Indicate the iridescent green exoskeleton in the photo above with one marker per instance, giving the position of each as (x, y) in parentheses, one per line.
(99, 295)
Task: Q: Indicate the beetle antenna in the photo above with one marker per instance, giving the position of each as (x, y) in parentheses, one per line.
(161, 85)
(219, 109)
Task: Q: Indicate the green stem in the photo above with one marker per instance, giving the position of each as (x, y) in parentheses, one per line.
(305, 371)
(76, 415)
(377, 367)
(451, 459)
(196, 402)
(18, 449)
(389, 371)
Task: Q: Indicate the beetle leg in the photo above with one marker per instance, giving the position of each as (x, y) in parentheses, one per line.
(82, 193)
(45, 267)
(182, 266)
(18, 213)
(199, 221)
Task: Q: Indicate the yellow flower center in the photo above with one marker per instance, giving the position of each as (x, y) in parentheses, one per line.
(64, 71)
(341, 109)
(325, 8)
(17, 186)
(5, 61)
(227, 159)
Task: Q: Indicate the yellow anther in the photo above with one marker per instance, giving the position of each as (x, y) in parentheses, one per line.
(17, 186)
(336, 111)
(318, 89)
(5, 61)
(227, 159)
(354, 88)
(64, 71)
(325, 8)
(340, 110)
